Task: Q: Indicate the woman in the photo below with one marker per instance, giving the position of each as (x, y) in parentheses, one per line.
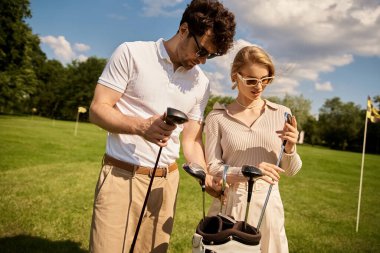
(250, 131)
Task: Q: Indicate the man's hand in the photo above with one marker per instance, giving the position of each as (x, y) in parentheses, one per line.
(155, 130)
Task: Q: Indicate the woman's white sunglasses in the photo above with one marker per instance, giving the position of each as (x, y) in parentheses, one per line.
(251, 81)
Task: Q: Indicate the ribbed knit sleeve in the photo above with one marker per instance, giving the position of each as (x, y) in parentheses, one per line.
(291, 163)
(214, 151)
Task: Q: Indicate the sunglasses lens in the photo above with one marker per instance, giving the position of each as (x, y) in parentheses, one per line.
(267, 80)
(252, 82)
(213, 55)
(202, 52)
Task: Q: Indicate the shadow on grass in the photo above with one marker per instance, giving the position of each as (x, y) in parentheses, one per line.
(33, 244)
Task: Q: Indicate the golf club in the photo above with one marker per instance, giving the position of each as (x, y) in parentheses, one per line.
(223, 186)
(288, 119)
(197, 171)
(250, 172)
(173, 116)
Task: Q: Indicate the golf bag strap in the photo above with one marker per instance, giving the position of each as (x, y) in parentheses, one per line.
(160, 171)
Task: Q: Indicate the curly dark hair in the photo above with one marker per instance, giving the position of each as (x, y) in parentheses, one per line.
(202, 15)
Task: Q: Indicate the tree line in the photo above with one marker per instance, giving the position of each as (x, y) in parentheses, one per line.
(29, 82)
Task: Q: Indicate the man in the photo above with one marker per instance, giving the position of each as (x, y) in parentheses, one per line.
(140, 81)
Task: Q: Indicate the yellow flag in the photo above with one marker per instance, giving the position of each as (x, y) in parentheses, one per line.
(372, 113)
(82, 109)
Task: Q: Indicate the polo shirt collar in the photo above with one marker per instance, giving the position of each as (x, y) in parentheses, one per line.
(271, 104)
(162, 50)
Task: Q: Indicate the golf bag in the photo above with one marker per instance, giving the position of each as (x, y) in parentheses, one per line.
(222, 234)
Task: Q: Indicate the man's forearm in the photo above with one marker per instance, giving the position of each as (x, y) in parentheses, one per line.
(194, 152)
(114, 121)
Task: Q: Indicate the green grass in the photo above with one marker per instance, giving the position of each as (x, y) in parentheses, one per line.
(48, 176)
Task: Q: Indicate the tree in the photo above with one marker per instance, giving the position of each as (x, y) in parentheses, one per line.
(20, 57)
(213, 99)
(339, 123)
(299, 106)
(53, 81)
(311, 130)
(80, 85)
(376, 99)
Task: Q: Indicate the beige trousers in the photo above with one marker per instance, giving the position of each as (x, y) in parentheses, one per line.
(119, 197)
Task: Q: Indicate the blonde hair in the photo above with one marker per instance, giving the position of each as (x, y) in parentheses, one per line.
(251, 55)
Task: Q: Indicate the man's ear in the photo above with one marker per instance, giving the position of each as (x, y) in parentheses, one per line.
(184, 29)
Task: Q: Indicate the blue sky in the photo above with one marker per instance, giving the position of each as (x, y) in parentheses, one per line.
(321, 49)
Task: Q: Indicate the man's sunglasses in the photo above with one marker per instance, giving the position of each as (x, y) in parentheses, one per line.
(202, 52)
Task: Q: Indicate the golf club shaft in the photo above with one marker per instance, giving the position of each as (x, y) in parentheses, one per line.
(223, 187)
(270, 187)
(249, 196)
(204, 202)
(246, 215)
(145, 202)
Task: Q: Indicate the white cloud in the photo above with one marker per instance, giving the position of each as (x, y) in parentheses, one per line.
(81, 58)
(61, 47)
(63, 51)
(326, 86)
(312, 37)
(224, 62)
(217, 82)
(155, 8)
(281, 86)
(367, 16)
(80, 47)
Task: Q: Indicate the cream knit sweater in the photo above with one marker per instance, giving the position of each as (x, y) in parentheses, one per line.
(228, 141)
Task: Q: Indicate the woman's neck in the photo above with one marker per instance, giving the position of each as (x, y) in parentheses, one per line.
(249, 104)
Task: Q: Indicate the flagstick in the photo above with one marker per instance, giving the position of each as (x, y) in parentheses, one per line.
(361, 173)
(76, 125)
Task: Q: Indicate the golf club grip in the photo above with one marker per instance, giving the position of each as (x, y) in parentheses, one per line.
(250, 189)
(168, 122)
(145, 203)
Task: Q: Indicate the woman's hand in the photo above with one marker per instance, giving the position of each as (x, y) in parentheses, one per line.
(271, 172)
(290, 134)
(213, 185)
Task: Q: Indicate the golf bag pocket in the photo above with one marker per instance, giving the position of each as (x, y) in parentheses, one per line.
(197, 241)
(217, 230)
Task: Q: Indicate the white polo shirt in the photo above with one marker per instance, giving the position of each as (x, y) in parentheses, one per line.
(144, 74)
